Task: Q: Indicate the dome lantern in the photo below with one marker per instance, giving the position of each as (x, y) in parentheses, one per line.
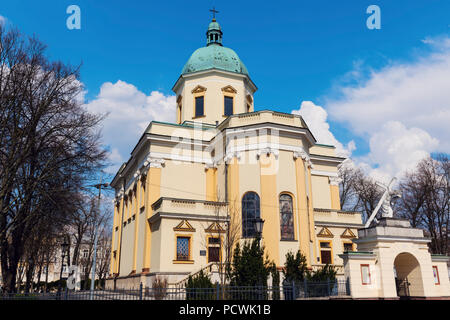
(214, 34)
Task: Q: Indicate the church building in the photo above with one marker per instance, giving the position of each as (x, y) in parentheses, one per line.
(219, 172)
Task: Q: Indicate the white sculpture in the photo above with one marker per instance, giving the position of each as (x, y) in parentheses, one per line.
(384, 204)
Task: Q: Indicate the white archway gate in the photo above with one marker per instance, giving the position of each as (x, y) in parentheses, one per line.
(392, 243)
(409, 282)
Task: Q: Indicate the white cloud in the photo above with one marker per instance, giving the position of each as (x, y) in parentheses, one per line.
(395, 148)
(316, 118)
(403, 109)
(129, 113)
(3, 20)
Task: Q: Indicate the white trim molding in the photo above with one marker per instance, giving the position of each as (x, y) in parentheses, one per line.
(324, 173)
(301, 153)
(230, 155)
(268, 150)
(154, 162)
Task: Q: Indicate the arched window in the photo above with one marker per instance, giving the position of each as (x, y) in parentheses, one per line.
(250, 211)
(286, 217)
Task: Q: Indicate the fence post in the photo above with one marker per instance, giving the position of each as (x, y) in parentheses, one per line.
(217, 291)
(328, 287)
(294, 296)
(347, 287)
(305, 287)
(140, 291)
(66, 293)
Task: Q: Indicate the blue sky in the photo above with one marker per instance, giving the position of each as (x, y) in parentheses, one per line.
(294, 50)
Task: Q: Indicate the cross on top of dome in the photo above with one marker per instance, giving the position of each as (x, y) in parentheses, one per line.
(214, 11)
(214, 33)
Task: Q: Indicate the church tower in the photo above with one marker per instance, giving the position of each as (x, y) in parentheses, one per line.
(214, 83)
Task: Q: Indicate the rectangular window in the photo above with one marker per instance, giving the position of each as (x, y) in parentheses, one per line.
(228, 103)
(199, 106)
(213, 249)
(213, 254)
(348, 246)
(436, 275)
(365, 274)
(213, 240)
(325, 252)
(85, 253)
(183, 248)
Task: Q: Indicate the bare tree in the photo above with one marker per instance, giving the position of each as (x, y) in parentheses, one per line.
(347, 195)
(80, 220)
(426, 200)
(104, 252)
(50, 143)
(358, 191)
(227, 231)
(98, 222)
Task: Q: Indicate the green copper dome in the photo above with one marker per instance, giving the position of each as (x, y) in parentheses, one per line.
(214, 55)
(214, 25)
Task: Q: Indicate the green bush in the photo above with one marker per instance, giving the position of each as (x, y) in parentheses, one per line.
(326, 273)
(295, 268)
(249, 269)
(199, 287)
(275, 282)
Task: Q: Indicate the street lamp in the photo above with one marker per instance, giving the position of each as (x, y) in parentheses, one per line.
(94, 260)
(259, 224)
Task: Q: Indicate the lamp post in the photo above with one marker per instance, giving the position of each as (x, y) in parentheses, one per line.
(94, 259)
(259, 224)
(64, 247)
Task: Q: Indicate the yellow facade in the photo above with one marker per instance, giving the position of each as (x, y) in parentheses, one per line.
(183, 178)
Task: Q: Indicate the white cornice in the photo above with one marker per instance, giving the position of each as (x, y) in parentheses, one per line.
(216, 71)
(267, 150)
(324, 173)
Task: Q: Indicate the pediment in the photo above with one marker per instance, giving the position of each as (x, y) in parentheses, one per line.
(229, 89)
(325, 233)
(198, 89)
(215, 228)
(348, 234)
(184, 225)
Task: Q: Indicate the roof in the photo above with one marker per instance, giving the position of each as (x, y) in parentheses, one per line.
(214, 57)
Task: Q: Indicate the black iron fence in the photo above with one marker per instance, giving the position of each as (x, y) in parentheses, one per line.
(291, 291)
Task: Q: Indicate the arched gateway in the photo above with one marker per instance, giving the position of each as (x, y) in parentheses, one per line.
(393, 262)
(408, 274)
